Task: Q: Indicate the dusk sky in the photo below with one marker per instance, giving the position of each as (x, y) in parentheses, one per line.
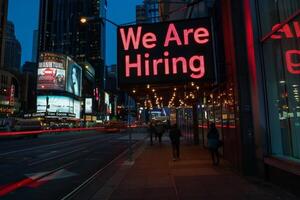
(24, 14)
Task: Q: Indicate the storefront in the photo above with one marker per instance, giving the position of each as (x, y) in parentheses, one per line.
(262, 56)
(276, 28)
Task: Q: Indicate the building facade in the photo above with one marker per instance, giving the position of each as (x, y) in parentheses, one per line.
(10, 94)
(35, 42)
(148, 12)
(12, 49)
(3, 20)
(256, 103)
(61, 31)
(28, 93)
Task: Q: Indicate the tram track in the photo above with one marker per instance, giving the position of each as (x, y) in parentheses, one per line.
(76, 191)
(46, 146)
(84, 154)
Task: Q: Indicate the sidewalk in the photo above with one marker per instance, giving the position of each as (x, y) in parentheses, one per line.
(155, 176)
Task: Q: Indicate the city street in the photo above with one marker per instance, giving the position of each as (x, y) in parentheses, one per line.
(52, 166)
(149, 99)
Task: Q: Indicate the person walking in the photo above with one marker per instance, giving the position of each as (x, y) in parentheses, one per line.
(160, 131)
(175, 135)
(152, 131)
(213, 143)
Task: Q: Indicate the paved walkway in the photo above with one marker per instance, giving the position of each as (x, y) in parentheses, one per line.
(155, 176)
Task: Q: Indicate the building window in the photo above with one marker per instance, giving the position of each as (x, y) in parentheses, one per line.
(281, 57)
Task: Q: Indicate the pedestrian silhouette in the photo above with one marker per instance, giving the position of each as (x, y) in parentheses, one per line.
(213, 143)
(159, 131)
(152, 131)
(175, 135)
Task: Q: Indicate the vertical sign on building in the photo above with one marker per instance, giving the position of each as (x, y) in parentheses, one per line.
(12, 96)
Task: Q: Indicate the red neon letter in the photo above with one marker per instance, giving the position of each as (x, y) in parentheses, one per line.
(292, 67)
(285, 29)
(186, 34)
(147, 68)
(131, 37)
(149, 40)
(155, 65)
(297, 28)
(166, 62)
(183, 62)
(200, 68)
(172, 35)
(129, 65)
(201, 35)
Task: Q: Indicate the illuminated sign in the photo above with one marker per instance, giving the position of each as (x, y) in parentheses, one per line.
(58, 104)
(88, 105)
(59, 72)
(51, 72)
(107, 103)
(12, 96)
(292, 56)
(168, 52)
(74, 80)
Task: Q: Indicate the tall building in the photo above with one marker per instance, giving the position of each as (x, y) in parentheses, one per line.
(140, 14)
(35, 41)
(148, 12)
(28, 87)
(12, 48)
(3, 19)
(61, 31)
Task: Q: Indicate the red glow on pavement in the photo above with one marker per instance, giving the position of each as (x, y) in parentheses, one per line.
(19, 133)
(14, 186)
(36, 184)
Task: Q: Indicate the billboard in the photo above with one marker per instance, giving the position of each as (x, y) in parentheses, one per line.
(167, 52)
(74, 78)
(58, 104)
(51, 72)
(59, 72)
(88, 105)
(107, 103)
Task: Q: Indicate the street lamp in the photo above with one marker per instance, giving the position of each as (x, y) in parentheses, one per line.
(85, 20)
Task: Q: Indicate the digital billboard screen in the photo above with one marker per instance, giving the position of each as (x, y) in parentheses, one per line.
(51, 75)
(58, 104)
(167, 52)
(88, 105)
(107, 102)
(74, 79)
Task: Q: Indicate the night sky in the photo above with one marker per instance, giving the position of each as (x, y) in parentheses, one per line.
(24, 14)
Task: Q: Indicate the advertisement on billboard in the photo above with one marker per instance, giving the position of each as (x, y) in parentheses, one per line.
(167, 52)
(74, 79)
(51, 72)
(88, 105)
(58, 104)
(107, 103)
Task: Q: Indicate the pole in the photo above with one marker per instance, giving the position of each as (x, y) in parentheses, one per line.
(129, 129)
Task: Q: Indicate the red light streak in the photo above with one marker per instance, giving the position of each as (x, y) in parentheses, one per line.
(14, 186)
(39, 132)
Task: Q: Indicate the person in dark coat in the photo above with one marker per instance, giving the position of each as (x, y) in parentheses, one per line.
(159, 128)
(213, 143)
(175, 135)
(152, 132)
